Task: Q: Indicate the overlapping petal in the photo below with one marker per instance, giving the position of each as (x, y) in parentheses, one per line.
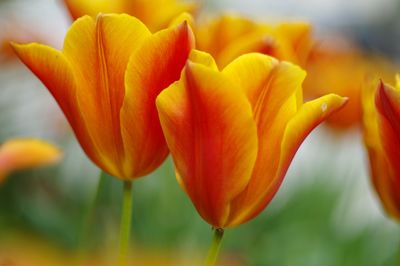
(18, 154)
(274, 90)
(212, 136)
(152, 68)
(93, 47)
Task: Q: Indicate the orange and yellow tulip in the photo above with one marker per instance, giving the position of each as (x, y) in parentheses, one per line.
(381, 117)
(18, 154)
(156, 14)
(233, 133)
(341, 67)
(106, 80)
(230, 36)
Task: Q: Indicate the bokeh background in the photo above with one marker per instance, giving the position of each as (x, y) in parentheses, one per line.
(326, 212)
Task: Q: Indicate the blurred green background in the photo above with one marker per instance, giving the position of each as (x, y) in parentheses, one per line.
(326, 212)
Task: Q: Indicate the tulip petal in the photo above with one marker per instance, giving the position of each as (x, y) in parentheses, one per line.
(56, 73)
(152, 68)
(182, 18)
(18, 154)
(383, 176)
(94, 49)
(310, 115)
(51, 67)
(203, 58)
(205, 116)
(274, 89)
(252, 72)
(387, 103)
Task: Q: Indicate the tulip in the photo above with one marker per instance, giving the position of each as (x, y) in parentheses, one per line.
(230, 36)
(106, 80)
(156, 14)
(381, 117)
(18, 154)
(339, 66)
(233, 133)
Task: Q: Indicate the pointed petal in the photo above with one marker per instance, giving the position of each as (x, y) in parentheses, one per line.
(212, 136)
(51, 67)
(310, 115)
(18, 154)
(185, 16)
(203, 58)
(94, 49)
(151, 69)
(56, 73)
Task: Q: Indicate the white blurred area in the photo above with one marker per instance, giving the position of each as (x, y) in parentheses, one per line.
(331, 12)
(47, 19)
(31, 111)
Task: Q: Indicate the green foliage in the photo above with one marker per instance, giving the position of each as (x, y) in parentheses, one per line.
(299, 229)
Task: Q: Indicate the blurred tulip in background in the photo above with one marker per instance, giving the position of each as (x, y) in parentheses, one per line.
(337, 65)
(155, 14)
(228, 36)
(19, 154)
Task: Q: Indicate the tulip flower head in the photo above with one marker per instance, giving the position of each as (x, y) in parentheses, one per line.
(381, 117)
(341, 67)
(229, 36)
(233, 133)
(155, 14)
(18, 154)
(106, 80)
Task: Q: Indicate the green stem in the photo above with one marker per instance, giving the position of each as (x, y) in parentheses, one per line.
(214, 247)
(91, 211)
(125, 227)
(397, 258)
